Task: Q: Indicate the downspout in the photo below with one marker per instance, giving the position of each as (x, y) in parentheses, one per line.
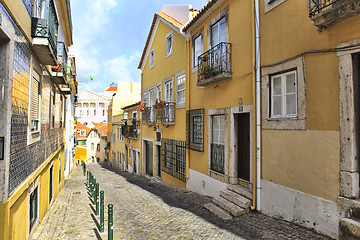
(258, 120)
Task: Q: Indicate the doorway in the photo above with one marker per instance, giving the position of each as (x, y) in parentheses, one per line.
(243, 146)
(356, 84)
(149, 157)
(158, 161)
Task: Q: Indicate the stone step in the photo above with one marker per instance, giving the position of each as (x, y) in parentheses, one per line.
(235, 198)
(218, 211)
(240, 190)
(349, 228)
(235, 210)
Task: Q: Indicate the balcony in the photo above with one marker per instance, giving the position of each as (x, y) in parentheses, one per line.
(215, 65)
(133, 131)
(325, 13)
(59, 72)
(44, 30)
(148, 115)
(165, 114)
(125, 131)
(65, 89)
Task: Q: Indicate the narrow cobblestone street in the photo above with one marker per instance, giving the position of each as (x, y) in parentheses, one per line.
(144, 209)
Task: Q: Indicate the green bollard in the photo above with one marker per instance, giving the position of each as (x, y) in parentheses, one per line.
(84, 168)
(97, 199)
(110, 222)
(101, 211)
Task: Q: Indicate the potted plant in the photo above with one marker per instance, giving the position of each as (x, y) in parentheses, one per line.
(56, 68)
(207, 71)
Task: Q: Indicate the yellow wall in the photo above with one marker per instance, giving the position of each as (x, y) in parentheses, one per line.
(118, 145)
(165, 67)
(127, 93)
(80, 153)
(14, 211)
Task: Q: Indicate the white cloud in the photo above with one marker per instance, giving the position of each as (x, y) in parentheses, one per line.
(123, 68)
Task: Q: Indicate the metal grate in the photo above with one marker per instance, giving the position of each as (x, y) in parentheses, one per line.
(195, 129)
(174, 158)
(148, 115)
(317, 6)
(217, 157)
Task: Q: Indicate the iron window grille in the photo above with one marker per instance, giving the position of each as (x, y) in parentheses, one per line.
(195, 129)
(174, 158)
(166, 114)
(317, 6)
(217, 157)
(215, 61)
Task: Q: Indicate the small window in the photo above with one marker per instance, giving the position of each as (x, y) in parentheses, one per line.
(92, 146)
(51, 183)
(197, 49)
(151, 98)
(144, 98)
(169, 44)
(168, 94)
(158, 92)
(98, 147)
(33, 208)
(284, 95)
(35, 103)
(180, 91)
(152, 58)
(134, 115)
(195, 129)
(82, 132)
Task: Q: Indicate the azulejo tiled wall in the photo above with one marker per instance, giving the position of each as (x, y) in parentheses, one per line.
(26, 158)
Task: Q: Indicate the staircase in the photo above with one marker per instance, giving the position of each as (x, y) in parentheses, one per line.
(349, 225)
(233, 202)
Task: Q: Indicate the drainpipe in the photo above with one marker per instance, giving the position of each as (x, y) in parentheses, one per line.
(258, 115)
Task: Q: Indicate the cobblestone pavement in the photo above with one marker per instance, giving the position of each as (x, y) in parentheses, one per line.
(144, 209)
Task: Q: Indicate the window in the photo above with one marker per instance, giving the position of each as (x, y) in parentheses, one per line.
(134, 115)
(152, 58)
(33, 208)
(218, 32)
(35, 102)
(52, 109)
(59, 170)
(197, 49)
(118, 133)
(92, 146)
(217, 145)
(144, 97)
(180, 90)
(151, 98)
(168, 94)
(61, 111)
(195, 129)
(98, 147)
(284, 95)
(82, 132)
(169, 44)
(51, 181)
(158, 92)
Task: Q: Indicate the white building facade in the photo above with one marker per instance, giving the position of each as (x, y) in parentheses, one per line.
(91, 107)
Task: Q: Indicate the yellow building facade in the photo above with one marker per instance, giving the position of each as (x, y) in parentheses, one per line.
(118, 142)
(309, 75)
(164, 97)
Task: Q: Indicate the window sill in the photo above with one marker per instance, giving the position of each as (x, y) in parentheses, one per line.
(216, 175)
(168, 55)
(180, 105)
(282, 118)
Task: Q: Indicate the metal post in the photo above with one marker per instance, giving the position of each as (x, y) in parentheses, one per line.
(94, 192)
(97, 199)
(87, 178)
(101, 211)
(110, 222)
(84, 168)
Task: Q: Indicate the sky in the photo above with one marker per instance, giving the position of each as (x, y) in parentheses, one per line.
(109, 37)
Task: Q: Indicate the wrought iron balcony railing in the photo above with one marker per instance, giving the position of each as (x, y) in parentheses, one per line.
(133, 131)
(148, 116)
(44, 23)
(215, 64)
(166, 114)
(63, 58)
(317, 6)
(217, 157)
(125, 131)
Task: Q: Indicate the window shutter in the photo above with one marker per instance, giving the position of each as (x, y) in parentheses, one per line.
(35, 92)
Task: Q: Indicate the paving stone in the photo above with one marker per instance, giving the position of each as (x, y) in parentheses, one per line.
(151, 210)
